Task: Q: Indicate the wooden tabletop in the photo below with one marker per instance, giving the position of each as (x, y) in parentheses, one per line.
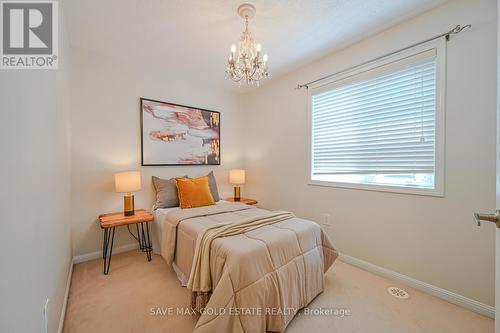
(117, 219)
(243, 200)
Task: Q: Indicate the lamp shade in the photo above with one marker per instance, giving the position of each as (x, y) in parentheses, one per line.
(237, 176)
(129, 181)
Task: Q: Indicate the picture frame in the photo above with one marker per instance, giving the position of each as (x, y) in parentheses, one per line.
(174, 134)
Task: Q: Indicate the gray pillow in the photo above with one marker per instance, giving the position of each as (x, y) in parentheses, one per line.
(213, 186)
(166, 192)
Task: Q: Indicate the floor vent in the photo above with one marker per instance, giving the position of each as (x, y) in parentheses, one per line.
(398, 292)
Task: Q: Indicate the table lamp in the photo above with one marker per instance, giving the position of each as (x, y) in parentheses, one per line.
(128, 182)
(237, 178)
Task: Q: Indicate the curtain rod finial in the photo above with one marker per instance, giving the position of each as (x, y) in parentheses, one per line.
(459, 28)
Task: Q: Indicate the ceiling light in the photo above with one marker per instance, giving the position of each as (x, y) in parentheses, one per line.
(245, 63)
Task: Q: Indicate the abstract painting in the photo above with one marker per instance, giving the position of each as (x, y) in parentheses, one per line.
(174, 134)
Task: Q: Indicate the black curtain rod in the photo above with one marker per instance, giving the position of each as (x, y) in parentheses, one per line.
(447, 35)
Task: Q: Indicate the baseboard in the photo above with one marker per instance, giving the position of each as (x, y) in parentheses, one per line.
(65, 301)
(98, 254)
(481, 308)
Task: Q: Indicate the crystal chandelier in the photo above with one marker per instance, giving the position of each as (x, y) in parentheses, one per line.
(246, 65)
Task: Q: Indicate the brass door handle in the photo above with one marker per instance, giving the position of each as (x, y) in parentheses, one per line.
(495, 218)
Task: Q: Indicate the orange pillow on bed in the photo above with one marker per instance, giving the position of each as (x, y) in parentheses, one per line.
(194, 192)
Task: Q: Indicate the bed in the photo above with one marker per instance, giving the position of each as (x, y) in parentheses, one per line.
(259, 278)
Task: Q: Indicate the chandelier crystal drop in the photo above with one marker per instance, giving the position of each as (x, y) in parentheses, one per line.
(245, 63)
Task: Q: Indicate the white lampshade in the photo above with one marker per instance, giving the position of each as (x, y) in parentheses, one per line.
(237, 176)
(128, 181)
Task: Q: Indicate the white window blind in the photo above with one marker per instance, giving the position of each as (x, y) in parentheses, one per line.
(378, 126)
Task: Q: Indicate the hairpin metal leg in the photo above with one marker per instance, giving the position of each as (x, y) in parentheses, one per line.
(104, 243)
(139, 239)
(149, 245)
(141, 229)
(108, 233)
(146, 241)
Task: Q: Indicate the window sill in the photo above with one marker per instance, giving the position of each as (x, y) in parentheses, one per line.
(381, 188)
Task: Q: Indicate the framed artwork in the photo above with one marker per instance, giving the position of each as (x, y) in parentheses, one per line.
(173, 134)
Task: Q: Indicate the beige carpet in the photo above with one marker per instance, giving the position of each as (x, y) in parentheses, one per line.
(122, 302)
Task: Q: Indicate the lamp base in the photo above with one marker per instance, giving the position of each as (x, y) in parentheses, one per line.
(237, 193)
(128, 205)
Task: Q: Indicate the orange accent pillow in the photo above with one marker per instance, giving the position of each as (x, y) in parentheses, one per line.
(194, 192)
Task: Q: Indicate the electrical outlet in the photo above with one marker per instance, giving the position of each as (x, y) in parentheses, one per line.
(326, 220)
(46, 317)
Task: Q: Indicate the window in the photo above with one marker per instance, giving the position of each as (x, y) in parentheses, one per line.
(381, 127)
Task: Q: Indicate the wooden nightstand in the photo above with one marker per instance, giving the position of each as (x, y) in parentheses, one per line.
(243, 200)
(110, 221)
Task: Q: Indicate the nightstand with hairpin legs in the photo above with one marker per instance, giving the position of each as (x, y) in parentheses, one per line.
(109, 222)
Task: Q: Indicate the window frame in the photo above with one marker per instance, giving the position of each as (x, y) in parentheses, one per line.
(341, 79)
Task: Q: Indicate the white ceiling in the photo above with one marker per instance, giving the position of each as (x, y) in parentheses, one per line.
(193, 37)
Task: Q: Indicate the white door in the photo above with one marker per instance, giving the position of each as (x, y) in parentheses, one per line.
(497, 253)
(495, 217)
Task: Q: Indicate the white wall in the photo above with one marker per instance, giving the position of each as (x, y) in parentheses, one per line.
(106, 134)
(34, 195)
(431, 239)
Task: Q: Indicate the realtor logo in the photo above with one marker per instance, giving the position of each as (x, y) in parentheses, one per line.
(29, 35)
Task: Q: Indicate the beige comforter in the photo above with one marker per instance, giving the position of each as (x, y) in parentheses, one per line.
(261, 277)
